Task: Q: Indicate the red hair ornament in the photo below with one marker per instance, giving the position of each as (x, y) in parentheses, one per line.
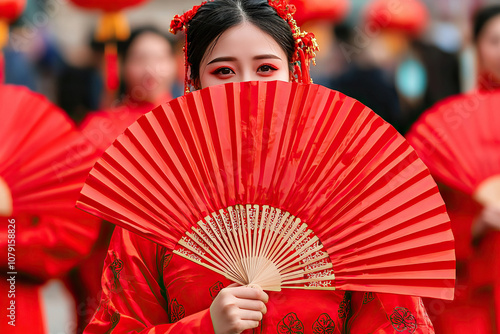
(306, 45)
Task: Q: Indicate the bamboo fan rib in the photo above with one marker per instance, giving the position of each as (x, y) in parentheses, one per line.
(209, 173)
(259, 245)
(44, 158)
(458, 139)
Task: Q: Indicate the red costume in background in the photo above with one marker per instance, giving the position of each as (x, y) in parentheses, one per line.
(101, 129)
(146, 289)
(476, 308)
(45, 247)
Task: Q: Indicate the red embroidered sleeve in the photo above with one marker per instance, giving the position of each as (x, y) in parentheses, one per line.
(133, 297)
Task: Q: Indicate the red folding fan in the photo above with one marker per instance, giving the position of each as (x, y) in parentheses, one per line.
(282, 185)
(459, 140)
(44, 159)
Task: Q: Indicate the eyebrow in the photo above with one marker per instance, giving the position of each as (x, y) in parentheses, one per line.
(223, 59)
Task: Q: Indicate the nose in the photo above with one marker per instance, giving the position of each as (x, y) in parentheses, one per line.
(249, 75)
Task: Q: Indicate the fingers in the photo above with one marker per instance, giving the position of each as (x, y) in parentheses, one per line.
(249, 324)
(491, 216)
(250, 293)
(246, 315)
(252, 305)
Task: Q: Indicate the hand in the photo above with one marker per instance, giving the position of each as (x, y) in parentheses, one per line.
(489, 218)
(238, 308)
(5, 199)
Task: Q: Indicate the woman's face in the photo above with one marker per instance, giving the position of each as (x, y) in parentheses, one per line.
(243, 53)
(149, 68)
(488, 46)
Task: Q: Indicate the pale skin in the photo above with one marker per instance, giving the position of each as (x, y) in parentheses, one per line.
(488, 193)
(5, 199)
(150, 68)
(488, 49)
(242, 53)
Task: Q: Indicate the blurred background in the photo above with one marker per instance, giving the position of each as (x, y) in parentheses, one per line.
(52, 51)
(398, 66)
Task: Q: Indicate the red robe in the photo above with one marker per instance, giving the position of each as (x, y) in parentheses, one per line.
(476, 307)
(146, 289)
(101, 128)
(45, 247)
(471, 310)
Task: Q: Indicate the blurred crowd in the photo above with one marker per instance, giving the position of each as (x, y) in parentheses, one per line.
(397, 63)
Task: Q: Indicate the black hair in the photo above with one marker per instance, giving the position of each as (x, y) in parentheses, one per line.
(215, 17)
(482, 17)
(124, 46)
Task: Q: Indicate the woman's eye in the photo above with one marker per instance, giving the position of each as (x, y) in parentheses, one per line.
(224, 71)
(267, 69)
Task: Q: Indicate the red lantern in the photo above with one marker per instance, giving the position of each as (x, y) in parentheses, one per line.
(107, 6)
(112, 26)
(409, 16)
(10, 10)
(328, 10)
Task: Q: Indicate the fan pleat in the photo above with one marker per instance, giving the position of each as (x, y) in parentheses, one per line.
(44, 159)
(458, 140)
(287, 185)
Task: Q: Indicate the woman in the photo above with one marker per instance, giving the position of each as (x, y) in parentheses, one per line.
(149, 70)
(475, 308)
(147, 290)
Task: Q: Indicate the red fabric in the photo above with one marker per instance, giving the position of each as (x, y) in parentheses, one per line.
(28, 307)
(471, 311)
(487, 82)
(101, 128)
(462, 210)
(44, 164)
(45, 247)
(146, 289)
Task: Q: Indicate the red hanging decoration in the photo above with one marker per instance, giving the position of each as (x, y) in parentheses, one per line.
(410, 16)
(10, 10)
(107, 5)
(327, 10)
(112, 27)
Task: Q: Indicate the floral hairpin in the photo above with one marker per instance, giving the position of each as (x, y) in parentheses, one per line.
(305, 43)
(180, 23)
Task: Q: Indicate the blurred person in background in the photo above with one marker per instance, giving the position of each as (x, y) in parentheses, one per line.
(476, 308)
(364, 80)
(390, 68)
(80, 85)
(148, 75)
